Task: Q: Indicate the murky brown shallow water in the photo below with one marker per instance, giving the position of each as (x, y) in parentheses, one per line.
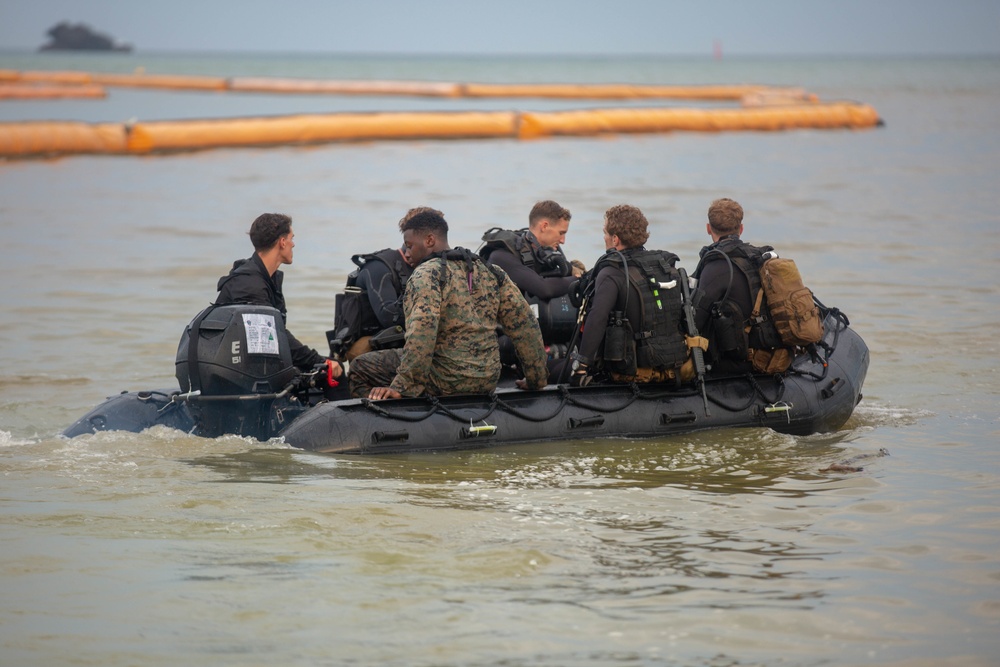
(723, 548)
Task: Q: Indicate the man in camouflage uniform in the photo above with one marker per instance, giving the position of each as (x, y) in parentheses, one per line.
(453, 304)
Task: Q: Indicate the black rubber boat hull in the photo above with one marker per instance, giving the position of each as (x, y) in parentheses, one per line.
(136, 411)
(797, 404)
(808, 399)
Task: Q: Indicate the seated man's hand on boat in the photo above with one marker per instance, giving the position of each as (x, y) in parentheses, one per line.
(378, 393)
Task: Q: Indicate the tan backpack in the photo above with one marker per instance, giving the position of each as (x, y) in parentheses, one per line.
(790, 303)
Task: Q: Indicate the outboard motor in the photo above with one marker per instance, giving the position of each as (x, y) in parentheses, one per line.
(229, 354)
(235, 349)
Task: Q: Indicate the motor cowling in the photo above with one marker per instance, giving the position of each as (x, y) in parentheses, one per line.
(235, 350)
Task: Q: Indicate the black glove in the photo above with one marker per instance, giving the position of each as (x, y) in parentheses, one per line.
(575, 293)
(578, 288)
(552, 263)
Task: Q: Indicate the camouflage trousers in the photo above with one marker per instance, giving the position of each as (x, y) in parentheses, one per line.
(373, 369)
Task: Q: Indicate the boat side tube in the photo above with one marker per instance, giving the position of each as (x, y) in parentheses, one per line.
(817, 395)
(136, 411)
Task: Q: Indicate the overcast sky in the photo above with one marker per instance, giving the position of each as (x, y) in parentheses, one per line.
(685, 27)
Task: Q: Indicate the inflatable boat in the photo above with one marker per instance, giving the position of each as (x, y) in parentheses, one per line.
(235, 381)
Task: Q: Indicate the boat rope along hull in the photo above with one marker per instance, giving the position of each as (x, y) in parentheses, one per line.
(796, 404)
(805, 400)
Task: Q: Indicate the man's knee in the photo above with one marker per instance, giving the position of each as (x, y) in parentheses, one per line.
(373, 369)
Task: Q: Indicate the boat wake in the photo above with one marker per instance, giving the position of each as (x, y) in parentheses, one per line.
(869, 414)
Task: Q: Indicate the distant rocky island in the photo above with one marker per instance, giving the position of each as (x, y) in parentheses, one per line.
(67, 36)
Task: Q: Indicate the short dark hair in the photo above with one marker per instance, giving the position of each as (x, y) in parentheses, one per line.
(547, 209)
(267, 229)
(725, 216)
(628, 224)
(417, 211)
(427, 221)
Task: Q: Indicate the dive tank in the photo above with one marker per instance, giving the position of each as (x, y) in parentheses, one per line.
(235, 350)
(556, 318)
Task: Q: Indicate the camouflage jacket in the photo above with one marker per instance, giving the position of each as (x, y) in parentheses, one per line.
(451, 329)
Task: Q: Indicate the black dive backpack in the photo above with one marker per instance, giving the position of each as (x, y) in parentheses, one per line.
(546, 262)
(353, 317)
(660, 343)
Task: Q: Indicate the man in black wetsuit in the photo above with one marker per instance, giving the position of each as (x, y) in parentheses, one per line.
(532, 257)
(257, 280)
(535, 262)
(728, 283)
(632, 329)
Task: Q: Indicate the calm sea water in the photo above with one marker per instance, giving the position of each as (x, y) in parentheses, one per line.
(723, 548)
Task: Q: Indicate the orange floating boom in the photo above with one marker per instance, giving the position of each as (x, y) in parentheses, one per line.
(136, 80)
(54, 76)
(173, 81)
(19, 139)
(622, 91)
(771, 118)
(306, 129)
(60, 138)
(349, 87)
(277, 85)
(18, 91)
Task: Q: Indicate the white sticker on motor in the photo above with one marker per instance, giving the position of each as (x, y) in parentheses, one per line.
(262, 335)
